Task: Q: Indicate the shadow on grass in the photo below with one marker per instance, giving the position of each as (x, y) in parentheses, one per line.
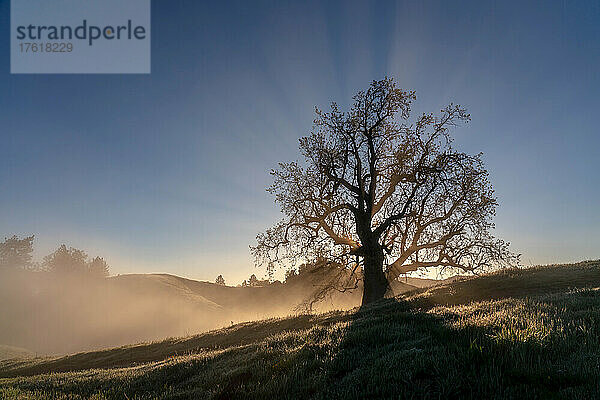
(391, 351)
(387, 350)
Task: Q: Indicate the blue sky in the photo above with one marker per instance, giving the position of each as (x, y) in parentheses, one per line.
(166, 172)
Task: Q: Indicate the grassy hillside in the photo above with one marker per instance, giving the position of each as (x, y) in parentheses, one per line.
(80, 314)
(53, 315)
(8, 352)
(515, 334)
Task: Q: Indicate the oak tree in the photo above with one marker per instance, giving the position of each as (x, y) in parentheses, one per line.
(383, 195)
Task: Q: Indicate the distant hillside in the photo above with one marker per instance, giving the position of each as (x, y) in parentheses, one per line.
(7, 352)
(425, 282)
(84, 314)
(514, 334)
(237, 303)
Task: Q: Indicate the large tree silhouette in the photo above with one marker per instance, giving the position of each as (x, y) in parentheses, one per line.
(383, 196)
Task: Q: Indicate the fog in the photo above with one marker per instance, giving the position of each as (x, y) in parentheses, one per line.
(50, 314)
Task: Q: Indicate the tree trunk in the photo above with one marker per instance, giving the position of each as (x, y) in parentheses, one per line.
(374, 280)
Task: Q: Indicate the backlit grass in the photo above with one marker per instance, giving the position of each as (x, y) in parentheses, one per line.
(464, 340)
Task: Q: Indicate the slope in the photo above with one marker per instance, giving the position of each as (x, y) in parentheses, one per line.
(514, 334)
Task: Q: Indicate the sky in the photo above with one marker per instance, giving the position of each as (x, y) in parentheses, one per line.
(167, 172)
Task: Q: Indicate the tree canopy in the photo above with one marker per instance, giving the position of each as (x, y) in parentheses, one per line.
(71, 261)
(15, 252)
(383, 195)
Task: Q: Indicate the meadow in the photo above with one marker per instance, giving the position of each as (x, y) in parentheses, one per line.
(514, 334)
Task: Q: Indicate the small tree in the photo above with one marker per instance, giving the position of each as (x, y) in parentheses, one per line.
(98, 268)
(220, 280)
(66, 261)
(15, 252)
(253, 281)
(382, 196)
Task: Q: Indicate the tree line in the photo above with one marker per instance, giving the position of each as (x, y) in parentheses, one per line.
(17, 253)
(290, 275)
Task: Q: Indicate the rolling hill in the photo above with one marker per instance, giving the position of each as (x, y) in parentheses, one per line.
(529, 333)
(85, 314)
(9, 352)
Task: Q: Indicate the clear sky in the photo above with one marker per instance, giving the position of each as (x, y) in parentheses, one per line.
(166, 172)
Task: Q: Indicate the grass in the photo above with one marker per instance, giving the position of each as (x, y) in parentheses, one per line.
(510, 335)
